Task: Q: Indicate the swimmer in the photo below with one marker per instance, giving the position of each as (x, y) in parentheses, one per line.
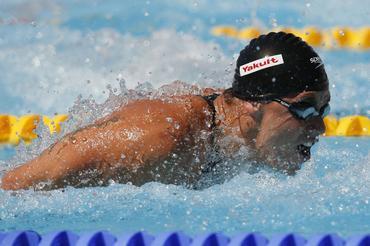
(275, 109)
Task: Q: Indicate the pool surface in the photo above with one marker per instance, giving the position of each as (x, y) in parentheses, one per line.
(79, 57)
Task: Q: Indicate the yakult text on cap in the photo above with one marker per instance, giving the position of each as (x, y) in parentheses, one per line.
(254, 66)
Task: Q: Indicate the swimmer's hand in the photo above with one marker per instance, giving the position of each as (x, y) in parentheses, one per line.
(129, 138)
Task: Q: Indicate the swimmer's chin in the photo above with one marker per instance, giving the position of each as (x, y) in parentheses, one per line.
(288, 167)
(289, 163)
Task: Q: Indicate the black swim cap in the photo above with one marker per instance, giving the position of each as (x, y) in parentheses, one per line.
(277, 65)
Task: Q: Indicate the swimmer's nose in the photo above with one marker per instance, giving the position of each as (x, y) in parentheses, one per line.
(316, 126)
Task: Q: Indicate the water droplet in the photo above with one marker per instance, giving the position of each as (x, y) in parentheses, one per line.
(258, 48)
(169, 119)
(274, 22)
(241, 20)
(123, 156)
(39, 35)
(36, 62)
(84, 139)
(73, 140)
(146, 13)
(273, 79)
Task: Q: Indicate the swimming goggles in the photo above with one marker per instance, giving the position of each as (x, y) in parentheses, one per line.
(304, 110)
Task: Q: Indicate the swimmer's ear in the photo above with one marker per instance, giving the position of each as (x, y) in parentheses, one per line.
(247, 121)
(257, 112)
(248, 125)
(228, 96)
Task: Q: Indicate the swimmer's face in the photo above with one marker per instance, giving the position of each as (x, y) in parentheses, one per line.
(284, 141)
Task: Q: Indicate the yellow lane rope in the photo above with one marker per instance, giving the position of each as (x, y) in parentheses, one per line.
(14, 129)
(333, 38)
(355, 125)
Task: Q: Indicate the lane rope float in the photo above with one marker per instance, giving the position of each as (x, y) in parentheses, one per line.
(143, 238)
(333, 38)
(354, 126)
(14, 129)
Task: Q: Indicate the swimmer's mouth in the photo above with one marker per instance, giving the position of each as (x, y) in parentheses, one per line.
(305, 150)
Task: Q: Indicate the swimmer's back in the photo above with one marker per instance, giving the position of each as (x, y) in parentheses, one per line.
(162, 134)
(186, 113)
(137, 136)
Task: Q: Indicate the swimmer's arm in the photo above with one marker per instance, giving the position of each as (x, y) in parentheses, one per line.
(91, 148)
(55, 162)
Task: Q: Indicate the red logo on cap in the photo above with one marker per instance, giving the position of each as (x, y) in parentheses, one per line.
(266, 62)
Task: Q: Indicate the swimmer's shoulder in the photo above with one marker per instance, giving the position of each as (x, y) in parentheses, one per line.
(183, 108)
(179, 108)
(197, 109)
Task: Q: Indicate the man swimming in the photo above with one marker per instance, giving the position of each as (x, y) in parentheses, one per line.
(275, 108)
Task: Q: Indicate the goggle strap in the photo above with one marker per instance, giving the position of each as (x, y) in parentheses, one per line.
(301, 113)
(282, 102)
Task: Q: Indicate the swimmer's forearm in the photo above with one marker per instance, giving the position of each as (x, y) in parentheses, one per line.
(52, 165)
(123, 139)
(84, 149)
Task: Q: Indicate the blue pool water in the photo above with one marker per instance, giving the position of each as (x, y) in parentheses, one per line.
(53, 51)
(330, 194)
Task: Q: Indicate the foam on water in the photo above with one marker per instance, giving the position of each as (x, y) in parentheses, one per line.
(44, 68)
(330, 193)
(64, 64)
(43, 61)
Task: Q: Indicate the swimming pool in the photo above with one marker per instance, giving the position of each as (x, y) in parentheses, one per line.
(52, 51)
(325, 196)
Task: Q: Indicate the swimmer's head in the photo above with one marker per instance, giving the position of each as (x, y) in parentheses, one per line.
(277, 65)
(286, 79)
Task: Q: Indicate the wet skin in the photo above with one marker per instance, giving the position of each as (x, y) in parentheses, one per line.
(271, 131)
(160, 140)
(144, 141)
(280, 133)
